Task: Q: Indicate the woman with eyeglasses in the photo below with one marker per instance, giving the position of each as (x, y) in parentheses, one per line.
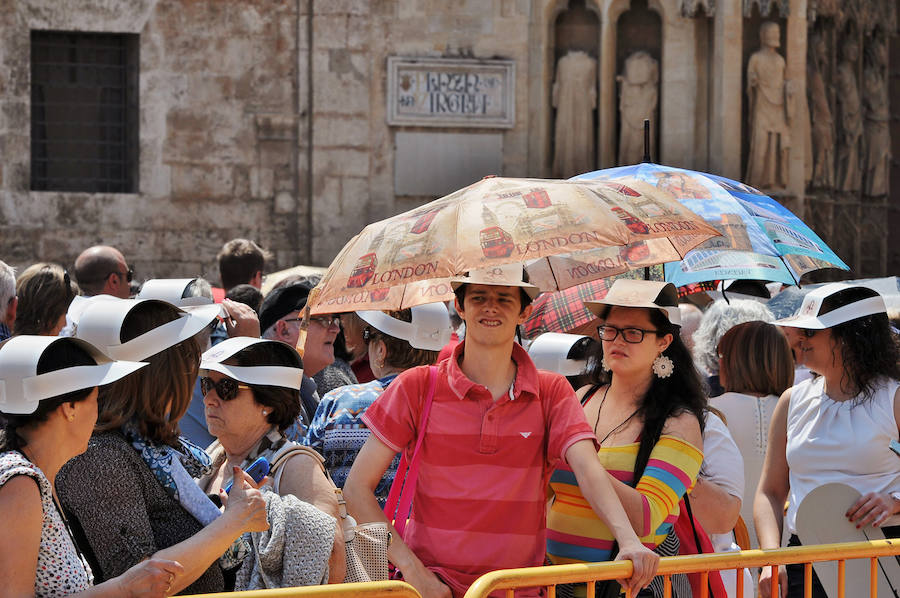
(835, 427)
(396, 341)
(251, 395)
(45, 291)
(646, 407)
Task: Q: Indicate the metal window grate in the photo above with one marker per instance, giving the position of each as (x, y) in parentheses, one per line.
(84, 112)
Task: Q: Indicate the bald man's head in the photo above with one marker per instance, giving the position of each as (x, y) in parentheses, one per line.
(102, 270)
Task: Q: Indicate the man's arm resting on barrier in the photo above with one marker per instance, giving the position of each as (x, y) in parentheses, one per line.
(359, 491)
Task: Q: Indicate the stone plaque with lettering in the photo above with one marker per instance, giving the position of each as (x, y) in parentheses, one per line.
(451, 92)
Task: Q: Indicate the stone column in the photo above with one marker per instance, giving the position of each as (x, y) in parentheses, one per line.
(608, 98)
(795, 72)
(728, 91)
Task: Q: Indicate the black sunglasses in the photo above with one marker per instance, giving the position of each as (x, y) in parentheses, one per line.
(226, 388)
(369, 334)
(129, 274)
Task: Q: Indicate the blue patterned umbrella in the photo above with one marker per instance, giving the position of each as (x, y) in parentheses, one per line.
(761, 239)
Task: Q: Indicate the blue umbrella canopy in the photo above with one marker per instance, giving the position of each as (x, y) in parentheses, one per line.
(761, 239)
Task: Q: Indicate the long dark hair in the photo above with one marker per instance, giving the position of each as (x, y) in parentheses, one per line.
(666, 397)
(59, 355)
(867, 345)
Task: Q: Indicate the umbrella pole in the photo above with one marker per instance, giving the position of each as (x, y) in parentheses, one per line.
(646, 157)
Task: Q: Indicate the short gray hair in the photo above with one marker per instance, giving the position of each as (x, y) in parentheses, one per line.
(7, 285)
(718, 319)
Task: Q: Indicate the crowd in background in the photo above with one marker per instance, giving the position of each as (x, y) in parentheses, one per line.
(679, 422)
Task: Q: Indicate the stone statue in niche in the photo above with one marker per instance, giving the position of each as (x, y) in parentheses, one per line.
(575, 98)
(850, 120)
(822, 119)
(638, 99)
(770, 112)
(877, 154)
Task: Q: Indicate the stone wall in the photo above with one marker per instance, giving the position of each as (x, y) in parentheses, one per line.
(218, 136)
(259, 121)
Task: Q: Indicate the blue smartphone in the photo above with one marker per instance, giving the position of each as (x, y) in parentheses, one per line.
(256, 470)
(895, 446)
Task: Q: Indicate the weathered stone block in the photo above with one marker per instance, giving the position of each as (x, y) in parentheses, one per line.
(194, 181)
(341, 131)
(284, 203)
(353, 7)
(262, 182)
(347, 162)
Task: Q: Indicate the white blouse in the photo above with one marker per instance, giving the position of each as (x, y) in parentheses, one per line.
(748, 420)
(835, 441)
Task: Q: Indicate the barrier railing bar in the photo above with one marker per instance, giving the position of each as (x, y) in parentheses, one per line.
(667, 586)
(773, 591)
(739, 583)
(704, 585)
(584, 572)
(807, 580)
(842, 576)
(591, 591)
(873, 578)
(372, 589)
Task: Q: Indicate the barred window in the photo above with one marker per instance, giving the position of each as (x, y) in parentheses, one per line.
(84, 112)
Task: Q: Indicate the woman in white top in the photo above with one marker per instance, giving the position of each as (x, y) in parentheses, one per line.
(839, 422)
(755, 368)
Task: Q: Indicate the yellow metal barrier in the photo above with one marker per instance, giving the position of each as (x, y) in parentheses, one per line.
(510, 579)
(375, 589)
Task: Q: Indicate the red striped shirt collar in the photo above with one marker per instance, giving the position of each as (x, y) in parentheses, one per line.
(526, 374)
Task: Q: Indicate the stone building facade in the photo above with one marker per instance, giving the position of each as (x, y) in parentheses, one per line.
(297, 122)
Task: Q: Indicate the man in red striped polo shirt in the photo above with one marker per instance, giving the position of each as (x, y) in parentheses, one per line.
(497, 428)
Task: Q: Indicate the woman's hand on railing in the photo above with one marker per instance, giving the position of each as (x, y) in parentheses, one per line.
(645, 563)
(765, 582)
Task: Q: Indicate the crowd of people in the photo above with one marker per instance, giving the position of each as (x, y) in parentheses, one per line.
(141, 411)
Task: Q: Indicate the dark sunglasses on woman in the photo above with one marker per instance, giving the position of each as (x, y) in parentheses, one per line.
(226, 388)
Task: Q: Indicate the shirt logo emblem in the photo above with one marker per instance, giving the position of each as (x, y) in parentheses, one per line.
(525, 434)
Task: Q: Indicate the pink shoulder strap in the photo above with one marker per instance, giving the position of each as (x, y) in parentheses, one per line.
(408, 471)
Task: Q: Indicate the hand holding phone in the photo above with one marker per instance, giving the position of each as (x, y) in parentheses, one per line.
(256, 470)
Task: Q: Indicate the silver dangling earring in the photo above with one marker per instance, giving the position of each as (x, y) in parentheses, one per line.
(265, 413)
(663, 366)
(604, 365)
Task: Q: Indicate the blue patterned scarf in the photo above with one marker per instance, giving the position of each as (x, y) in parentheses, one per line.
(175, 470)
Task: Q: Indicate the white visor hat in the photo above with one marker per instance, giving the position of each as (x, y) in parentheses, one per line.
(429, 330)
(171, 290)
(22, 388)
(549, 351)
(100, 323)
(263, 375)
(808, 316)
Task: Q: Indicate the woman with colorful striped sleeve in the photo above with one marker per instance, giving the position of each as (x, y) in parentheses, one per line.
(646, 407)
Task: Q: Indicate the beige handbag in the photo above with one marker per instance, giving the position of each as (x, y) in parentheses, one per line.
(365, 544)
